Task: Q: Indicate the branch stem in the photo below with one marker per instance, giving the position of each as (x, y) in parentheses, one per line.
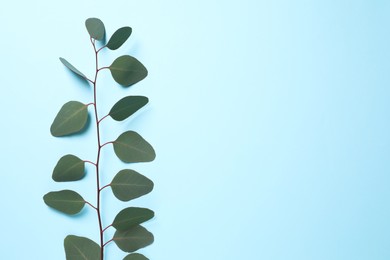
(98, 208)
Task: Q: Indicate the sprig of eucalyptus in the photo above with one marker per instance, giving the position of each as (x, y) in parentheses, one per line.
(129, 147)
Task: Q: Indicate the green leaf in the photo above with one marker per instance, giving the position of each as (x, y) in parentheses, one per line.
(72, 68)
(69, 168)
(127, 70)
(129, 184)
(131, 216)
(81, 248)
(130, 147)
(71, 119)
(95, 28)
(118, 38)
(135, 256)
(66, 201)
(133, 239)
(127, 106)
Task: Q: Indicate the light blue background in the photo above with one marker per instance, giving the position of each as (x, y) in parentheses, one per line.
(270, 120)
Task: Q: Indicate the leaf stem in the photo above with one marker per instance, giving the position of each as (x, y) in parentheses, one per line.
(107, 242)
(90, 162)
(98, 153)
(101, 48)
(103, 68)
(111, 142)
(108, 185)
(107, 227)
(101, 119)
(90, 204)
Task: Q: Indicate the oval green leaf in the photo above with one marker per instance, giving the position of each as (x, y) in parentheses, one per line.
(72, 68)
(66, 201)
(133, 239)
(131, 216)
(135, 256)
(95, 28)
(127, 70)
(129, 184)
(130, 147)
(71, 119)
(119, 37)
(69, 168)
(127, 106)
(81, 248)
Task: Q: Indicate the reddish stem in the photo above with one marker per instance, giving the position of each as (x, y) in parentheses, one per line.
(101, 119)
(98, 154)
(107, 242)
(90, 162)
(107, 227)
(90, 204)
(111, 142)
(108, 185)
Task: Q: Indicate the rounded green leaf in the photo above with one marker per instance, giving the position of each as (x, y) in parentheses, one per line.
(133, 239)
(95, 28)
(130, 147)
(127, 70)
(135, 256)
(131, 216)
(129, 184)
(81, 248)
(71, 119)
(127, 106)
(72, 68)
(69, 168)
(66, 201)
(119, 37)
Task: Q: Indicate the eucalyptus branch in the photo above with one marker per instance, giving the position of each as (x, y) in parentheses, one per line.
(129, 147)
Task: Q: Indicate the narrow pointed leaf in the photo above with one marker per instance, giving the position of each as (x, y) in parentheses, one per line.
(95, 28)
(133, 239)
(71, 119)
(129, 184)
(131, 216)
(130, 147)
(72, 68)
(81, 248)
(118, 38)
(66, 201)
(127, 106)
(69, 168)
(127, 70)
(135, 256)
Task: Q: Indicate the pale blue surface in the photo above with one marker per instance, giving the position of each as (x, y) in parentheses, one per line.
(270, 120)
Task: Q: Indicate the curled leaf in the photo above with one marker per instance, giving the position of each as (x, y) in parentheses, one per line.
(72, 68)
